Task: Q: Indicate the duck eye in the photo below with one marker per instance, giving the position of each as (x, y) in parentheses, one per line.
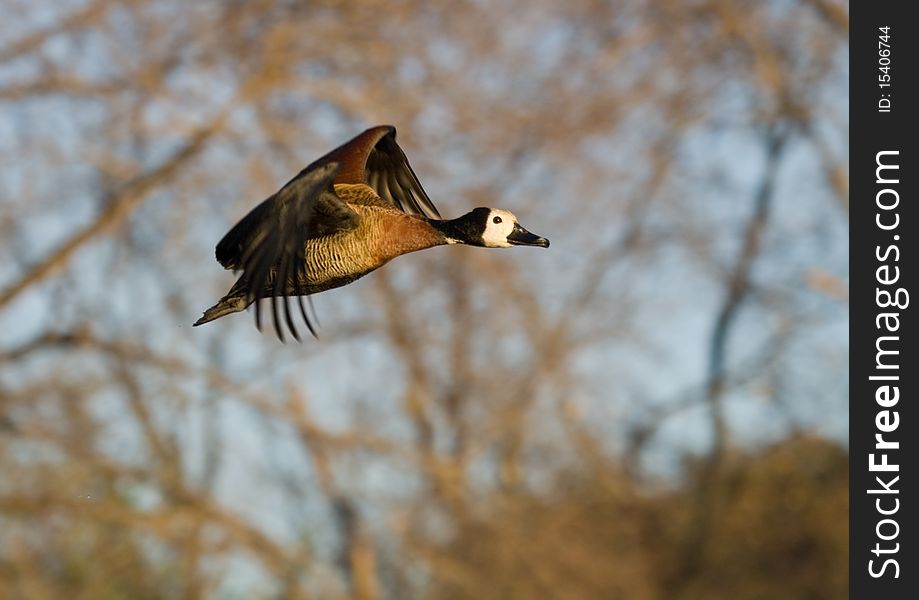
(496, 220)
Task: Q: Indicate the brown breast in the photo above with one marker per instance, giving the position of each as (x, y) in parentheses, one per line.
(382, 235)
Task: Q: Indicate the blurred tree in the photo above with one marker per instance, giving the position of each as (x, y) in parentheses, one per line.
(783, 535)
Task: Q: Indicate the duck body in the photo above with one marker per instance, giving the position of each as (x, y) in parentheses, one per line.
(341, 257)
(342, 217)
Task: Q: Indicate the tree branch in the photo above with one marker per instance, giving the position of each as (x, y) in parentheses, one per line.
(122, 205)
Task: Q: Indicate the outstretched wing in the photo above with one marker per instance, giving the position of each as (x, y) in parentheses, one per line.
(268, 245)
(375, 159)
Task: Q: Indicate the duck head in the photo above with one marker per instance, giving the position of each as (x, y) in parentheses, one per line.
(489, 228)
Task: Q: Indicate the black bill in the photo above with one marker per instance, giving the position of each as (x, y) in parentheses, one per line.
(521, 237)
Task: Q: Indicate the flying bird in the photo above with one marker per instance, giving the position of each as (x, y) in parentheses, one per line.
(343, 216)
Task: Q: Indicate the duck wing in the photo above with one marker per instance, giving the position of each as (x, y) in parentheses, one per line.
(373, 158)
(269, 244)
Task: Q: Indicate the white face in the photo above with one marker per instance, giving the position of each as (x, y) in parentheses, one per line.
(499, 225)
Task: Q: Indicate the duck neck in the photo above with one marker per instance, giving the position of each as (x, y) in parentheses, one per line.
(456, 231)
(410, 233)
(447, 230)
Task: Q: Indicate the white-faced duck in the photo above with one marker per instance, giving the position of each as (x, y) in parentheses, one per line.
(343, 216)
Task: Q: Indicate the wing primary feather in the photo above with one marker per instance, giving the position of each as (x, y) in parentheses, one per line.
(315, 314)
(280, 288)
(276, 251)
(306, 318)
(388, 172)
(290, 321)
(286, 300)
(258, 314)
(275, 320)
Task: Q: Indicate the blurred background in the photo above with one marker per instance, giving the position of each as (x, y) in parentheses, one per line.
(653, 408)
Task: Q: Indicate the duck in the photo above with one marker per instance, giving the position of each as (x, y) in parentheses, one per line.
(343, 216)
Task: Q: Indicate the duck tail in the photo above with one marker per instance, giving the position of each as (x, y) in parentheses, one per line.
(227, 305)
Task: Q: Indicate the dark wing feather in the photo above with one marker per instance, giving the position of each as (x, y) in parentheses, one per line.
(388, 172)
(375, 159)
(268, 244)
